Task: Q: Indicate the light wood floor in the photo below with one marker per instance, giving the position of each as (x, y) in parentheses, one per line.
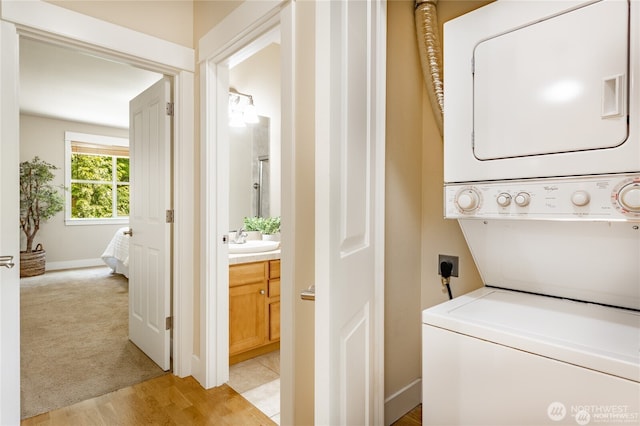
(166, 400)
(412, 418)
(169, 400)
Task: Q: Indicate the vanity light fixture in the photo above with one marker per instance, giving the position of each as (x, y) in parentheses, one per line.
(250, 114)
(242, 111)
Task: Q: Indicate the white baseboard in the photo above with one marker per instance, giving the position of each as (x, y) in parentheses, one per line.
(403, 401)
(72, 264)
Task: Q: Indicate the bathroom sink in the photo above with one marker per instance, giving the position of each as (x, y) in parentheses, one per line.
(254, 246)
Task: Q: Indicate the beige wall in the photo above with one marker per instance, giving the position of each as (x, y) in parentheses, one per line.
(440, 236)
(450, 9)
(44, 137)
(209, 13)
(403, 200)
(170, 20)
(415, 229)
(304, 213)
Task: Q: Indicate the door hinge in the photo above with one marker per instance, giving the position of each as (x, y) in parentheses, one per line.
(169, 216)
(169, 108)
(168, 323)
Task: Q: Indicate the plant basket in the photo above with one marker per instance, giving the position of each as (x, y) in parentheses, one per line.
(32, 264)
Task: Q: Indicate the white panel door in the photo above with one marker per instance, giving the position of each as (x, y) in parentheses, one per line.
(9, 230)
(149, 251)
(350, 117)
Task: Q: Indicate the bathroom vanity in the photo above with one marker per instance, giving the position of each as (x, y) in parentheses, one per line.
(254, 305)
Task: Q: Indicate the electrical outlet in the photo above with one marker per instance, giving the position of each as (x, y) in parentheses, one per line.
(452, 259)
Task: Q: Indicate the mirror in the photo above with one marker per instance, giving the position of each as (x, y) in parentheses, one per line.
(249, 172)
(254, 148)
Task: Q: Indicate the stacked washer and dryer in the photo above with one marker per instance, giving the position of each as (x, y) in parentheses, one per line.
(542, 171)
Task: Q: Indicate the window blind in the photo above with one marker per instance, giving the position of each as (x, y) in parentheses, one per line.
(95, 149)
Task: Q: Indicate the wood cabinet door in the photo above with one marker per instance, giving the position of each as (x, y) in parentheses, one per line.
(274, 321)
(274, 269)
(246, 317)
(247, 273)
(273, 308)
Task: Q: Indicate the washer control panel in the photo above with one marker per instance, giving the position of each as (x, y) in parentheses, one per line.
(607, 197)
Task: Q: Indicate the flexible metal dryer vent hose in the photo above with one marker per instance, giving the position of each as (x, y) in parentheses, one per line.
(426, 16)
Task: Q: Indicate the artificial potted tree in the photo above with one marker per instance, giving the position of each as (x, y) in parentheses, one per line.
(39, 201)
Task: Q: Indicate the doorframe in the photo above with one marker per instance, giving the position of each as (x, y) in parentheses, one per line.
(54, 24)
(10, 244)
(244, 25)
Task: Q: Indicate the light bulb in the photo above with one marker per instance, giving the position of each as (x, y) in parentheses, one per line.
(250, 115)
(235, 119)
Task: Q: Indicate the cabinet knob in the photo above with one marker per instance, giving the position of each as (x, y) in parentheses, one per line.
(261, 291)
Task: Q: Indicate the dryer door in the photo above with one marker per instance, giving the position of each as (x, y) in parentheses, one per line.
(554, 86)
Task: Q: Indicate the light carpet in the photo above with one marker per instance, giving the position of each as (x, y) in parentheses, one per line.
(74, 339)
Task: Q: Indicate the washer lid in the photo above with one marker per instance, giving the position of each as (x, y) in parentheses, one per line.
(597, 337)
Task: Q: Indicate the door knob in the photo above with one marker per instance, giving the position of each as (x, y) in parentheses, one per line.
(7, 261)
(309, 293)
(129, 232)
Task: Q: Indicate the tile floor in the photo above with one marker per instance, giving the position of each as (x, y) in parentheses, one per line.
(258, 381)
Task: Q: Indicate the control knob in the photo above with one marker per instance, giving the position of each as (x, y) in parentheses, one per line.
(522, 199)
(629, 197)
(503, 199)
(468, 200)
(580, 198)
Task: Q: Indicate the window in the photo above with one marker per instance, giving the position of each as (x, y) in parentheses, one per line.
(97, 179)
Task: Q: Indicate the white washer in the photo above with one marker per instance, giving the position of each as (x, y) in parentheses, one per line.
(496, 357)
(510, 353)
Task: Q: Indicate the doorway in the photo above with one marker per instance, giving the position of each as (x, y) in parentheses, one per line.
(223, 45)
(254, 181)
(85, 134)
(123, 45)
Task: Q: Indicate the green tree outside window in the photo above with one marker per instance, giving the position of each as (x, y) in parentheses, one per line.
(99, 186)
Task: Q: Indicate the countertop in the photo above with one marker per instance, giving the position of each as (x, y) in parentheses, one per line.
(236, 258)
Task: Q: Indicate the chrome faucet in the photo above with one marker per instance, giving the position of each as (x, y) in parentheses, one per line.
(241, 236)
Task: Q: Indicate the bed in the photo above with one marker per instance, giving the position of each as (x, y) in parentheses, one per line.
(116, 255)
